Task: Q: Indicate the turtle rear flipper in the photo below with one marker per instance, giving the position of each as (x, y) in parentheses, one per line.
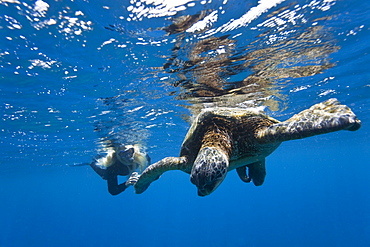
(242, 173)
(321, 118)
(154, 171)
(257, 172)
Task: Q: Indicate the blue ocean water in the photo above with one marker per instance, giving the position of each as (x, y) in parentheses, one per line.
(74, 72)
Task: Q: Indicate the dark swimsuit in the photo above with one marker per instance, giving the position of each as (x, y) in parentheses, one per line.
(110, 174)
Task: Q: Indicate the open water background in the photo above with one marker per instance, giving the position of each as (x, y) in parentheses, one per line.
(73, 72)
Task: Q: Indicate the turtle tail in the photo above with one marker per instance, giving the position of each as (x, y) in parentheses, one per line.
(321, 118)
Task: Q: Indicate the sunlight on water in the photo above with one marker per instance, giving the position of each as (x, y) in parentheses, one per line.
(105, 70)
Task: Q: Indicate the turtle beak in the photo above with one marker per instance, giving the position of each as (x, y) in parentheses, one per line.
(209, 188)
(200, 193)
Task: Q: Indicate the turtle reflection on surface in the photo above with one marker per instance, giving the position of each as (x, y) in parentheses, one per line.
(206, 68)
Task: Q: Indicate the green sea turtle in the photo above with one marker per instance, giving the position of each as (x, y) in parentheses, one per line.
(222, 139)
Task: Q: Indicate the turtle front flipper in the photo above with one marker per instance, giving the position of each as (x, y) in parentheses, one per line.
(242, 173)
(321, 118)
(154, 171)
(257, 172)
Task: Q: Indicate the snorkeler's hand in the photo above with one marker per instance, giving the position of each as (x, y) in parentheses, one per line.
(132, 179)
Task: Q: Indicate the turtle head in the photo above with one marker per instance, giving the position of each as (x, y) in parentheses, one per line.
(209, 170)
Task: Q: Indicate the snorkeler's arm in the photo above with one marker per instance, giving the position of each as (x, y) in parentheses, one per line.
(113, 187)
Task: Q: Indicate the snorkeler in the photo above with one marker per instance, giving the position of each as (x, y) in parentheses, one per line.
(121, 160)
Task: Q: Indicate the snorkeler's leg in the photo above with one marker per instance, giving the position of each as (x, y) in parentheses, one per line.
(113, 187)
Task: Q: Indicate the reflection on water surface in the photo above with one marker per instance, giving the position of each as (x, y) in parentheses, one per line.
(126, 71)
